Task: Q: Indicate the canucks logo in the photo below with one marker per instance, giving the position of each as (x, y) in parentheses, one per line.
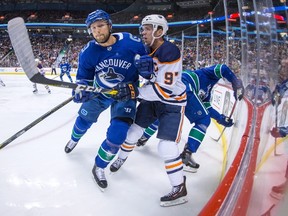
(202, 94)
(109, 78)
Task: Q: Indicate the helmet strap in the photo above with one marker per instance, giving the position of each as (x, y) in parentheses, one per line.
(155, 28)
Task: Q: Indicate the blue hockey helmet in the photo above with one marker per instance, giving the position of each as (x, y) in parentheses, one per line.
(97, 15)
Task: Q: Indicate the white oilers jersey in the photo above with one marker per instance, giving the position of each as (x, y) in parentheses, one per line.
(40, 69)
(168, 87)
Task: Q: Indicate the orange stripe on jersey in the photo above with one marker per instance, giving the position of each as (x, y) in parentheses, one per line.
(167, 96)
(174, 165)
(180, 126)
(171, 62)
(161, 91)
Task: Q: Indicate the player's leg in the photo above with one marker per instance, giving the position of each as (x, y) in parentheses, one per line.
(169, 132)
(61, 75)
(122, 115)
(148, 132)
(69, 76)
(87, 115)
(144, 117)
(196, 113)
(35, 90)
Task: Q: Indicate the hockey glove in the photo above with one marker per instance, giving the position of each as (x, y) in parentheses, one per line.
(225, 121)
(238, 89)
(82, 96)
(145, 66)
(279, 132)
(125, 91)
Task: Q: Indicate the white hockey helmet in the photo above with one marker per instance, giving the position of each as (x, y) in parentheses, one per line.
(156, 20)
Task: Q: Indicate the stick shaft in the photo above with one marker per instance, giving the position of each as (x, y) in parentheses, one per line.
(38, 120)
(230, 116)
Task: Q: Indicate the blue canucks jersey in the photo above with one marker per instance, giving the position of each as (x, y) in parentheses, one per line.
(65, 67)
(108, 66)
(201, 81)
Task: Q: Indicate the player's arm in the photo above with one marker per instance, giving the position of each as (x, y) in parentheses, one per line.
(220, 118)
(85, 76)
(237, 84)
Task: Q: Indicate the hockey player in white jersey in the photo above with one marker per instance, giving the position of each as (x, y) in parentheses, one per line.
(42, 72)
(199, 85)
(162, 98)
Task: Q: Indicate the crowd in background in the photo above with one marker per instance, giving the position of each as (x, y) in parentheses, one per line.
(47, 50)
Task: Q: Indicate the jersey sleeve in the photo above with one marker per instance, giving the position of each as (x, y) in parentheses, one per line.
(227, 73)
(85, 69)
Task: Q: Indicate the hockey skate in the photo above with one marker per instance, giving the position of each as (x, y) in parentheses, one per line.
(115, 166)
(70, 146)
(142, 141)
(189, 163)
(177, 196)
(35, 91)
(279, 191)
(48, 89)
(2, 83)
(99, 176)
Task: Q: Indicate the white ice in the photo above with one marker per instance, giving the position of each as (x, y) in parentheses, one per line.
(38, 178)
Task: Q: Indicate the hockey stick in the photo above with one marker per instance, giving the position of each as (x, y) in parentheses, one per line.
(25, 129)
(6, 55)
(276, 126)
(229, 117)
(22, 47)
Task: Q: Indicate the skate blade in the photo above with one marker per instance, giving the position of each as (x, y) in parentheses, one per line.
(190, 169)
(277, 196)
(178, 201)
(112, 173)
(100, 188)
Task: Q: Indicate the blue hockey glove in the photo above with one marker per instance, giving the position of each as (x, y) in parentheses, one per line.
(82, 96)
(145, 66)
(225, 121)
(238, 89)
(125, 91)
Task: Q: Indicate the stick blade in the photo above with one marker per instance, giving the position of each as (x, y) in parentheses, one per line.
(22, 46)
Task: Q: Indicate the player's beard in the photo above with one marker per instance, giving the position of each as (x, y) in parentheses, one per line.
(103, 38)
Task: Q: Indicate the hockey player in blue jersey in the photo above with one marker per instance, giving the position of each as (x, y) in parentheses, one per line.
(106, 61)
(65, 68)
(199, 84)
(163, 98)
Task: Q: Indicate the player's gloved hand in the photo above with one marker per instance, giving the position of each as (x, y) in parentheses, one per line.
(225, 121)
(276, 97)
(125, 91)
(81, 96)
(145, 66)
(238, 89)
(279, 132)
